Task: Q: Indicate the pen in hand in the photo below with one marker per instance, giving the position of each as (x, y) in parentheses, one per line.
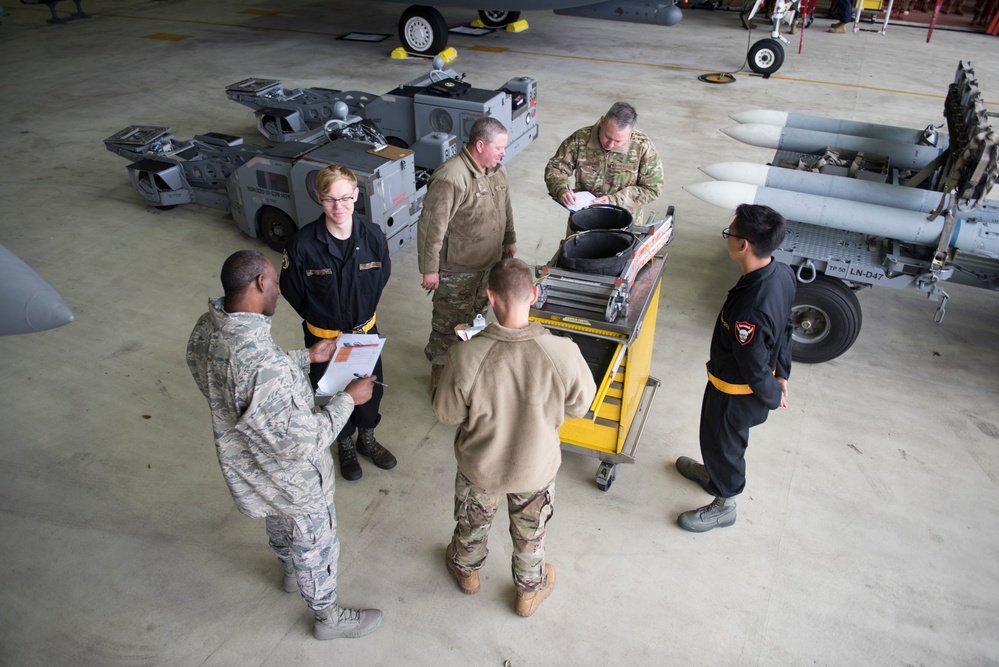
(358, 375)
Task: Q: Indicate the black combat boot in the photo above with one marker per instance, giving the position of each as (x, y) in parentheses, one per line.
(719, 514)
(368, 446)
(349, 467)
(694, 471)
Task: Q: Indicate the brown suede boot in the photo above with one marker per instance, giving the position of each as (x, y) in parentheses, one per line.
(529, 601)
(838, 28)
(350, 469)
(468, 583)
(369, 447)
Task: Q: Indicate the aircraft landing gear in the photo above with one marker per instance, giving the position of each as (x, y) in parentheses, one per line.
(766, 56)
(423, 30)
(497, 18)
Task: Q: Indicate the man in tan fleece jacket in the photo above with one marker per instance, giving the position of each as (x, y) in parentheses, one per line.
(509, 389)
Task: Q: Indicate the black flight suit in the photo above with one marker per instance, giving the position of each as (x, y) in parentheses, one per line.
(751, 340)
(336, 286)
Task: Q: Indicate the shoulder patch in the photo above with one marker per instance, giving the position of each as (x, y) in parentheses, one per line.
(744, 332)
(285, 263)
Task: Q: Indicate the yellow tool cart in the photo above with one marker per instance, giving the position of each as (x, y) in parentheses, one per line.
(601, 289)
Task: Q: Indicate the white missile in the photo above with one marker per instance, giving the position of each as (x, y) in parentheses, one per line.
(826, 185)
(27, 302)
(977, 237)
(902, 135)
(902, 156)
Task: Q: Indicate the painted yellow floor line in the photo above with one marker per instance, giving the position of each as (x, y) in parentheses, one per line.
(167, 36)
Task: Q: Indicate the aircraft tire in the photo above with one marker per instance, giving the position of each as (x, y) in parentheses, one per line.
(423, 30)
(497, 18)
(766, 56)
(827, 319)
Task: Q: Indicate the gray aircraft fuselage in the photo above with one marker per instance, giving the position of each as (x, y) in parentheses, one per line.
(506, 5)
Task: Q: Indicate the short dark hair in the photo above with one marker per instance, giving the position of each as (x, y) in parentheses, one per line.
(486, 129)
(762, 226)
(240, 270)
(623, 115)
(510, 279)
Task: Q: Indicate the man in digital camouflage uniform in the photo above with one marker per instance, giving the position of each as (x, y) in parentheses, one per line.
(465, 227)
(273, 449)
(610, 159)
(509, 389)
(749, 365)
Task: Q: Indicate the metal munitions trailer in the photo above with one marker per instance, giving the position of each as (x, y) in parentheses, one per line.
(613, 321)
(871, 204)
(268, 189)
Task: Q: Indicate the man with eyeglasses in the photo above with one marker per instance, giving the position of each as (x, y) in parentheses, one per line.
(610, 159)
(749, 364)
(465, 227)
(334, 271)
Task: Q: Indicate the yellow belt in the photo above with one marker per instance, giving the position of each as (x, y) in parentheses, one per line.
(333, 333)
(728, 387)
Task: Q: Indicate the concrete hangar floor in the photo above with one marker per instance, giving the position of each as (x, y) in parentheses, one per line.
(869, 527)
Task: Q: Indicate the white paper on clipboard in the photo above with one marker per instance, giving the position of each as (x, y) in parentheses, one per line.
(355, 353)
(583, 199)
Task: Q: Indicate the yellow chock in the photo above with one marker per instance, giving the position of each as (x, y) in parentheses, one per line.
(477, 23)
(399, 52)
(517, 26)
(449, 54)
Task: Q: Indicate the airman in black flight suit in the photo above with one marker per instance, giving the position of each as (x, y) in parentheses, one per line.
(749, 365)
(333, 274)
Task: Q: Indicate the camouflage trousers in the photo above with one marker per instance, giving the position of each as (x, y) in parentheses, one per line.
(456, 300)
(474, 509)
(310, 543)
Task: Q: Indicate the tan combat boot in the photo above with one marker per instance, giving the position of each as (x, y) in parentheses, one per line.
(468, 583)
(529, 601)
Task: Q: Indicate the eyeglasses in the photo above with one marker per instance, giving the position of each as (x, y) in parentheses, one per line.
(332, 201)
(726, 233)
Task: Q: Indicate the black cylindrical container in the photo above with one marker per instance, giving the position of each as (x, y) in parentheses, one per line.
(599, 216)
(603, 252)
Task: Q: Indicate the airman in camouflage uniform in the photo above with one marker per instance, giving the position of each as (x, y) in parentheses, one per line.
(474, 509)
(272, 448)
(612, 160)
(509, 389)
(466, 226)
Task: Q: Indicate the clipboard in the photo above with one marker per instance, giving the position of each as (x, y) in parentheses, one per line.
(354, 353)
